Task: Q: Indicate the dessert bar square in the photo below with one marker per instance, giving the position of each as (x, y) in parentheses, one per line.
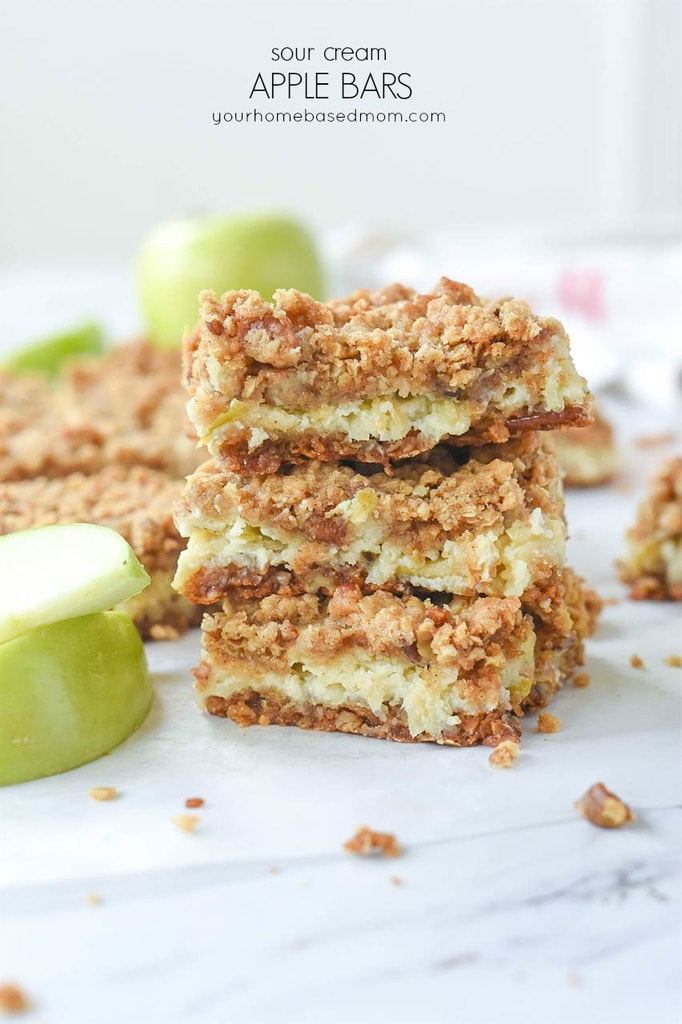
(126, 407)
(653, 561)
(135, 502)
(376, 377)
(484, 520)
(588, 456)
(457, 671)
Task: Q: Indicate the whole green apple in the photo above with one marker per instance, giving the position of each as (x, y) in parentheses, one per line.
(57, 572)
(70, 692)
(181, 258)
(49, 354)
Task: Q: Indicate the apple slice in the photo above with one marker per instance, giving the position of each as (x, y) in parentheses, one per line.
(54, 572)
(70, 691)
(48, 355)
(180, 258)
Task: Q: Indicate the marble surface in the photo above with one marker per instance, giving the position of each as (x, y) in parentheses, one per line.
(509, 907)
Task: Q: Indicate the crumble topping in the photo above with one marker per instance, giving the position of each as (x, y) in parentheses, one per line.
(548, 723)
(603, 808)
(367, 842)
(505, 754)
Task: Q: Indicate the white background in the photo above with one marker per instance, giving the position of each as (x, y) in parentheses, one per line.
(562, 115)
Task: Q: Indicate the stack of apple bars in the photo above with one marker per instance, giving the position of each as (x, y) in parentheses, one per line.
(381, 520)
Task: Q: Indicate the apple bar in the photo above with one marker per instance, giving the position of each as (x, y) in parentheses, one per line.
(483, 520)
(134, 502)
(652, 566)
(125, 407)
(459, 671)
(377, 377)
(588, 456)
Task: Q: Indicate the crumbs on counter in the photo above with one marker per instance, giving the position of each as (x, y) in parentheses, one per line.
(367, 842)
(395, 880)
(673, 660)
(186, 822)
(636, 661)
(504, 754)
(103, 793)
(548, 723)
(13, 999)
(581, 680)
(93, 899)
(603, 808)
(194, 801)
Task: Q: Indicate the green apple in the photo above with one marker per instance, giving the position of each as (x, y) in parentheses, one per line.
(49, 354)
(180, 258)
(70, 691)
(58, 572)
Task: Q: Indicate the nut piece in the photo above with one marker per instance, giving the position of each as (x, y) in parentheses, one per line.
(548, 723)
(366, 842)
(103, 793)
(13, 999)
(636, 661)
(673, 661)
(194, 801)
(603, 808)
(186, 822)
(504, 754)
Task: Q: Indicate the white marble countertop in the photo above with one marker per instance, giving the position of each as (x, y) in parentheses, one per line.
(511, 907)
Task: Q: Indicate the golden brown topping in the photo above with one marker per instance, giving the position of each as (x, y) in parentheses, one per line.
(673, 661)
(548, 723)
(103, 793)
(504, 754)
(581, 679)
(368, 842)
(603, 808)
(636, 661)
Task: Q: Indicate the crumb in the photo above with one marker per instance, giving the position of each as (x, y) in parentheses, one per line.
(655, 440)
(194, 801)
(274, 870)
(581, 680)
(673, 660)
(603, 808)
(94, 899)
(366, 841)
(548, 723)
(13, 999)
(636, 661)
(159, 631)
(396, 880)
(103, 793)
(504, 754)
(186, 822)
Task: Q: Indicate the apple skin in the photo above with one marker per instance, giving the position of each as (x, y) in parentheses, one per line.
(70, 692)
(63, 571)
(49, 354)
(181, 258)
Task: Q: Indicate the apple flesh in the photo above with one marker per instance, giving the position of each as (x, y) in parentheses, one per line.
(180, 259)
(54, 572)
(70, 692)
(49, 354)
